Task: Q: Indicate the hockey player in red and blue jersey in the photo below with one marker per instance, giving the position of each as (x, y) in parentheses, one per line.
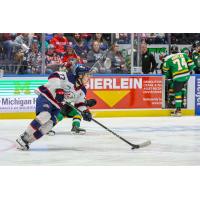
(61, 87)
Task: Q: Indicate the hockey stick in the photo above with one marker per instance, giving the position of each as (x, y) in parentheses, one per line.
(134, 146)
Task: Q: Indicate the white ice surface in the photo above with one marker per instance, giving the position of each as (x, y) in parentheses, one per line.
(175, 141)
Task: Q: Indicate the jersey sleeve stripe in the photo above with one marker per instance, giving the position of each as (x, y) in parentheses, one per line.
(54, 75)
(165, 68)
(191, 63)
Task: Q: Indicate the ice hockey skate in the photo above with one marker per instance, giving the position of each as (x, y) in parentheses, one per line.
(77, 130)
(22, 143)
(176, 113)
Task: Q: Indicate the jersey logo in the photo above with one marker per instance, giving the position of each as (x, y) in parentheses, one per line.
(62, 76)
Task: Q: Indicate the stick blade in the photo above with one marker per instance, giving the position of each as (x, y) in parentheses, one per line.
(141, 145)
(145, 144)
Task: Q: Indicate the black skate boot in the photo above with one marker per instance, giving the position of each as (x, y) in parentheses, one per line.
(177, 113)
(22, 142)
(78, 130)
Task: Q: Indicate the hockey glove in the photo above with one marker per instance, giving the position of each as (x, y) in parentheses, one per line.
(87, 116)
(59, 95)
(90, 102)
(66, 109)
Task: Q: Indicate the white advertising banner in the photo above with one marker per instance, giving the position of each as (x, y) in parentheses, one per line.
(17, 104)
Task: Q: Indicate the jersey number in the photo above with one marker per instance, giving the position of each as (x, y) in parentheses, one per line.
(62, 76)
(181, 63)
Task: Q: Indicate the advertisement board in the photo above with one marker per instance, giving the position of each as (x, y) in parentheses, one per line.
(17, 104)
(118, 92)
(18, 95)
(111, 92)
(197, 95)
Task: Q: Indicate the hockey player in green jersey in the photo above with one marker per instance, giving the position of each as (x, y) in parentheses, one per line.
(178, 67)
(70, 112)
(196, 57)
(169, 91)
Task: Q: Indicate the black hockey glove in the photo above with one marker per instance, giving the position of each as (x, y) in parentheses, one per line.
(87, 116)
(90, 102)
(66, 109)
(59, 95)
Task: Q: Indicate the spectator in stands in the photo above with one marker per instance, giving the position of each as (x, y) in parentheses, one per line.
(159, 38)
(123, 38)
(174, 40)
(71, 58)
(48, 37)
(86, 36)
(34, 58)
(95, 58)
(60, 42)
(99, 37)
(1, 46)
(21, 48)
(80, 45)
(22, 42)
(53, 60)
(117, 60)
(7, 43)
(148, 61)
(38, 36)
(70, 53)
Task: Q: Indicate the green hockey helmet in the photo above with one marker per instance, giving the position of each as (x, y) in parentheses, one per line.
(185, 50)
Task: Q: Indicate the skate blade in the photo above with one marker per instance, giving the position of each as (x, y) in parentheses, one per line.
(80, 133)
(176, 115)
(21, 147)
(51, 133)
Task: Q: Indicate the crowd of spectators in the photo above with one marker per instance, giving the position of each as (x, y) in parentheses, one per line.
(22, 53)
(150, 38)
(175, 38)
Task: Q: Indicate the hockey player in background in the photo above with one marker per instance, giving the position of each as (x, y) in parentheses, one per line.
(69, 112)
(178, 67)
(61, 89)
(196, 56)
(186, 51)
